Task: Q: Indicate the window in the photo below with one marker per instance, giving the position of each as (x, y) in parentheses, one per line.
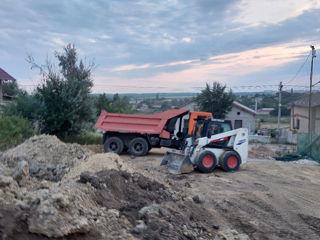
(237, 124)
(298, 124)
(238, 113)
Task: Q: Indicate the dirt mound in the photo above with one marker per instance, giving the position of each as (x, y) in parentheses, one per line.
(47, 156)
(154, 211)
(125, 192)
(97, 163)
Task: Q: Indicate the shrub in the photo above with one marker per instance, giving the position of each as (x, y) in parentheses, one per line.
(13, 131)
(84, 138)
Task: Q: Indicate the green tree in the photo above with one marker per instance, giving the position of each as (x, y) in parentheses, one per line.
(26, 106)
(14, 130)
(115, 105)
(11, 89)
(64, 93)
(215, 99)
(102, 102)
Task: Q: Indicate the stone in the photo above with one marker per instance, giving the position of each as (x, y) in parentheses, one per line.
(151, 210)
(215, 226)
(140, 227)
(5, 181)
(54, 216)
(113, 212)
(230, 234)
(21, 172)
(196, 199)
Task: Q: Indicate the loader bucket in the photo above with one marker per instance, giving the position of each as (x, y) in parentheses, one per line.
(177, 163)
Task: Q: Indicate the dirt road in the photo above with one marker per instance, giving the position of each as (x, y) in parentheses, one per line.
(265, 199)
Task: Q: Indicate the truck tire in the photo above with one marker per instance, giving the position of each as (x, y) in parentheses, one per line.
(113, 144)
(230, 161)
(138, 146)
(207, 162)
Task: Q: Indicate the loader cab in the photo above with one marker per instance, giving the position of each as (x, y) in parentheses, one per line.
(211, 127)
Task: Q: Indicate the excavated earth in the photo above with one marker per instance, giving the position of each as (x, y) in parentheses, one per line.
(53, 190)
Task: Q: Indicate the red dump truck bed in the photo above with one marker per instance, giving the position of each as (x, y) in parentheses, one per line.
(134, 123)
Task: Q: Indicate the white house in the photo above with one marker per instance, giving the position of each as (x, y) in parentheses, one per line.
(240, 115)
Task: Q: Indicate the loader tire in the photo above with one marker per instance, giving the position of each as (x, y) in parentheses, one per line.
(230, 161)
(207, 162)
(138, 146)
(113, 144)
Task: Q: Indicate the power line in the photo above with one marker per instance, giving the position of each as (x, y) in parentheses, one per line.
(299, 70)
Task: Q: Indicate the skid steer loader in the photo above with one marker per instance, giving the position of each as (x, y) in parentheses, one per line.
(209, 147)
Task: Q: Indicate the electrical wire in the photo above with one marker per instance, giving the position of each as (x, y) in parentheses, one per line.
(299, 70)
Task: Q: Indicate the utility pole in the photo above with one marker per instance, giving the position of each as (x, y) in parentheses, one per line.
(310, 94)
(256, 105)
(279, 106)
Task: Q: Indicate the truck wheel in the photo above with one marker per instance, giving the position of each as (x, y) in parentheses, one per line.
(207, 162)
(230, 161)
(113, 144)
(138, 146)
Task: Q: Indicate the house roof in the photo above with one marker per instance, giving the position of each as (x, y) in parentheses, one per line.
(244, 108)
(235, 103)
(304, 101)
(6, 76)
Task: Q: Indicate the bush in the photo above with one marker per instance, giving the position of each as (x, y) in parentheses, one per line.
(84, 138)
(13, 131)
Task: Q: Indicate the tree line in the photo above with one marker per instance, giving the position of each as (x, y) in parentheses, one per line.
(61, 104)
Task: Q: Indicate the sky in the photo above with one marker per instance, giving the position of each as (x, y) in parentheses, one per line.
(141, 46)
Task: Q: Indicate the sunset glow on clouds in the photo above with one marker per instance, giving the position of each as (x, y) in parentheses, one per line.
(164, 46)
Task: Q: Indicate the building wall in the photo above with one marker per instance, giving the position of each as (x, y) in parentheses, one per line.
(248, 120)
(301, 114)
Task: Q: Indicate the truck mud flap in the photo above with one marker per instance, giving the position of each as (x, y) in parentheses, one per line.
(177, 163)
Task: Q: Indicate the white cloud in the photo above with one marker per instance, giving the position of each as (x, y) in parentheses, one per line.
(272, 11)
(186, 39)
(105, 37)
(58, 42)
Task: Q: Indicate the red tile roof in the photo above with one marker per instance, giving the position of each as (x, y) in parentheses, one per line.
(5, 76)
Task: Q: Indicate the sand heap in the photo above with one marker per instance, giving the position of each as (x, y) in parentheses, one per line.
(49, 189)
(48, 158)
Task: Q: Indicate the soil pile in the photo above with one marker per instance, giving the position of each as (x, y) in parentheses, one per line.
(47, 156)
(98, 162)
(153, 211)
(94, 197)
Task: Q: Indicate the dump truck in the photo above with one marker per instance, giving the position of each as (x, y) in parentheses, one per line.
(139, 133)
(209, 146)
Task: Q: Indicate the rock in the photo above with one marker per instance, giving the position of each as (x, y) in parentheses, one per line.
(140, 227)
(21, 172)
(88, 177)
(113, 212)
(230, 234)
(45, 184)
(187, 184)
(151, 210)
(5, 181)
(54, 216)
(196, 199)
(215, 226)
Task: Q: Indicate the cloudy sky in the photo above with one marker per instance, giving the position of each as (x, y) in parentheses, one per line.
(165, 45)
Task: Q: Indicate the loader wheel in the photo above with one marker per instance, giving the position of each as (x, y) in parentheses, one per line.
(207, 162)
(113, 144)
(138, 146)
(230, 161)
